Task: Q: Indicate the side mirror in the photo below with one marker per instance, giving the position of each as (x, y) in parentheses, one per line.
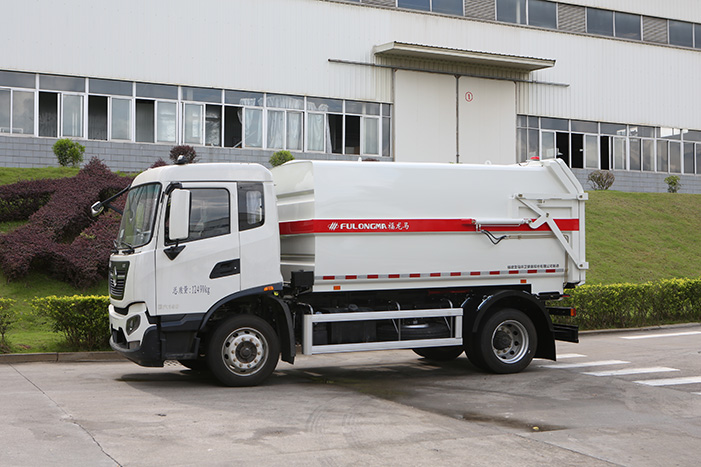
(96, 209)
(179, 214)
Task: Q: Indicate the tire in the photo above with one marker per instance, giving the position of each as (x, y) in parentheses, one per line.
(439, 354)
(199, 364)
(243, 351)
(506, 342)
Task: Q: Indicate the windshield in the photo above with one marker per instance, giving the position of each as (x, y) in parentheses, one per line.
(139, 216)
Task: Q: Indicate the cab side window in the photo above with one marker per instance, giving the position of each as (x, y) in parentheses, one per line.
(251, 206)
(209, 214)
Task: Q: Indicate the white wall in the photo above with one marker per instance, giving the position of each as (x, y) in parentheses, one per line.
(285, 46)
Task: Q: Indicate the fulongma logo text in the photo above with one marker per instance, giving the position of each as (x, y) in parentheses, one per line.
(368, 226)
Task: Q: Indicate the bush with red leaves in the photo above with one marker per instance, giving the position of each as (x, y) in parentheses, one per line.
(22, 199)
(61, 238)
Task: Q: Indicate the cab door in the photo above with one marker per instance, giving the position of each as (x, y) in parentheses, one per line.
(195, 273)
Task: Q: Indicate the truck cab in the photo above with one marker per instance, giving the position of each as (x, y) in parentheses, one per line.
(192, 239)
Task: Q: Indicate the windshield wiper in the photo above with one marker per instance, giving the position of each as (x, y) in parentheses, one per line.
(122, 246)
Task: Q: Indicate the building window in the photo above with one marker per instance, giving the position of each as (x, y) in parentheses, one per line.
(48, 114)
(539, 13)
(193, 122)
(450, 7)
(599, 22)
(285, 127)
(609, 23)
(166, 121)
(5, 99)
(511, 11)
(97, 117)
(121, 119)
(212, 125)
(253, 123)
(542, 14)
(22, 115)
(154, 113)
(688, 162)
(145, 121)
(592, 145)
(627, 26)
(681, 33)
(72, 116)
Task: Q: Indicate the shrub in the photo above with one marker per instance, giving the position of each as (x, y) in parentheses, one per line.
(7, 318)
(183, 150)
(280, 158)
(68, 152)
(61, 237)
(83, 320)
(673, 184)
(20, 200)
(633, 305)
(601, 179)
(159, 163)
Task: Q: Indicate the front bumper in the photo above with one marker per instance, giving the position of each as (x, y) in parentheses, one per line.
(145, 353)
(139, 343)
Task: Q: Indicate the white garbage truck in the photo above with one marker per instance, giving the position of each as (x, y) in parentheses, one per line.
(230, 267)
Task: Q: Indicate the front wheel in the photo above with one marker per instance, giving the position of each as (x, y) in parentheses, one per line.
(506, 342)
(243, 351)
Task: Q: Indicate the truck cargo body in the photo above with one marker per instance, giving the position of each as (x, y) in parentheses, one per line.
(228, 267)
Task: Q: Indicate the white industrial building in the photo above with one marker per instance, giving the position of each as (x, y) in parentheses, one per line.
(602, 84)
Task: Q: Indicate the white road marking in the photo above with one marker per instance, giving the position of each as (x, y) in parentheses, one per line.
(570, 355)
(671, 334)
(631, 371)
(585, 364)
(670, 381)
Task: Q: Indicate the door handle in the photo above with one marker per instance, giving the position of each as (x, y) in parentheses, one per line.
(173, 251)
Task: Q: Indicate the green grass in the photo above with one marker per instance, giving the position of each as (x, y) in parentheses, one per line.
(640, 237)
(13, 174)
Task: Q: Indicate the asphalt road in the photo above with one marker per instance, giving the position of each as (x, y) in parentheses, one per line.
(628, 398)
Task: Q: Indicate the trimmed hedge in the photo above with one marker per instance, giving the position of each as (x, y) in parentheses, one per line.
(82, 319)
(20, 200)
(635, 305)
(7, 318)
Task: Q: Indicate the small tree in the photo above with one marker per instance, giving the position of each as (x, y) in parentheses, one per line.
(68, 152)
(673, 184)
(601, 179)
(7, 318)
(280, 158)
(183, 150)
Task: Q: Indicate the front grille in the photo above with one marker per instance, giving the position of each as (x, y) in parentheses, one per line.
(118, 278)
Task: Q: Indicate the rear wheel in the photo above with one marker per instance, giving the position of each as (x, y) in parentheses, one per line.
(243, 351)
(506, 342)
(439, 354)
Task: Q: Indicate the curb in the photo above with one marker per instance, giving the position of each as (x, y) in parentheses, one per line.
(111, 356)
(594, 332)
(62, 357)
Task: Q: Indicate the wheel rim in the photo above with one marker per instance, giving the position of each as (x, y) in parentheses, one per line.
(510, 341)
(245, 351)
